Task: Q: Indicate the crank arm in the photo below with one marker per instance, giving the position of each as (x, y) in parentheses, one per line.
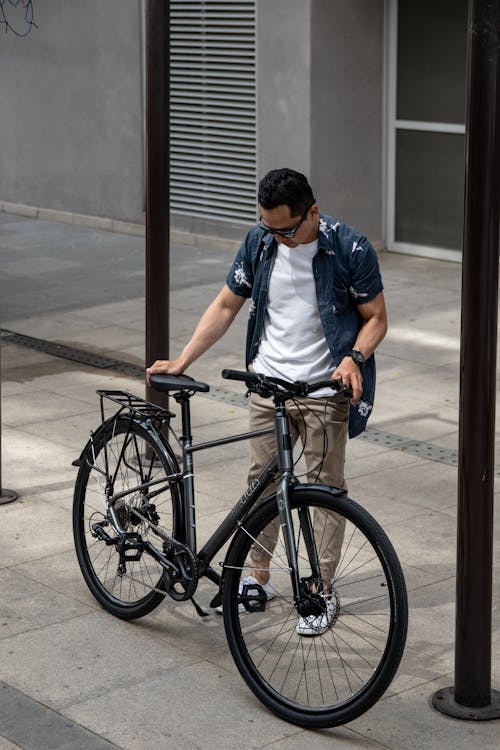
(151, 550)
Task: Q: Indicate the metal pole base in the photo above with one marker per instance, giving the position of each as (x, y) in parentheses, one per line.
(444, 701)
(7, 496)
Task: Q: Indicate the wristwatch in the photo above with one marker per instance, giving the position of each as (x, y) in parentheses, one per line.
(359, 358)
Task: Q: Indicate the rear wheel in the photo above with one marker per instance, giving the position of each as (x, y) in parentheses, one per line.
(356, 631)
(132, 458)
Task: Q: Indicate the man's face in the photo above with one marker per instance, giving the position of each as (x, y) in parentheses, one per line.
(305, 225)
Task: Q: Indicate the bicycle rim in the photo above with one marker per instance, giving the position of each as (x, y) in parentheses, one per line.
(135, 456)
(331, 677)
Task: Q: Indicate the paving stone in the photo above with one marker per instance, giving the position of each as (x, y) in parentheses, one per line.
(169, 679)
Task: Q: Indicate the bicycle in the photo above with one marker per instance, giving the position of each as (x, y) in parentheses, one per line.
(135, 536)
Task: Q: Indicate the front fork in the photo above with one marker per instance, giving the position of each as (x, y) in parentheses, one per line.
(285, 464)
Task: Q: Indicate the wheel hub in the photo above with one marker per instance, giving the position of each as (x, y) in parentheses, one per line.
(313, 603)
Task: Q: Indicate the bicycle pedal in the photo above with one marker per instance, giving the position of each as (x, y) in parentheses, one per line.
(253, 597)
(130, 547)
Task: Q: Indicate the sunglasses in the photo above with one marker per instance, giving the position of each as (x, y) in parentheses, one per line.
(287, 233)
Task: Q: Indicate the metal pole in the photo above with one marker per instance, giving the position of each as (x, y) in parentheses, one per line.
(472, 696)
(6, 496)
(157, 185)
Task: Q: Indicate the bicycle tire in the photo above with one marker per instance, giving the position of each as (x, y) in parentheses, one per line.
(136, 453)
(333, 677)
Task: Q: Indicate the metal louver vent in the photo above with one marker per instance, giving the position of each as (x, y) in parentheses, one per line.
(213, 109)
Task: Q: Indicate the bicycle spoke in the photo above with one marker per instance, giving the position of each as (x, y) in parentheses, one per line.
(122, 462)
(334, 658)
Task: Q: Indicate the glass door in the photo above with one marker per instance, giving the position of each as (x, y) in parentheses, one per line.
(427, 46)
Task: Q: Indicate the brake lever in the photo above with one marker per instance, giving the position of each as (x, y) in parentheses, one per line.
(302, 387)
(346, 390)
(342, 389)
(260, 388)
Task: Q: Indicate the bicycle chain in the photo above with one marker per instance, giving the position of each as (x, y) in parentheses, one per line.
(162, 534)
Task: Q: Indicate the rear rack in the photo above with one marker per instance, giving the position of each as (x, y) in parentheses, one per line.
(136, 405)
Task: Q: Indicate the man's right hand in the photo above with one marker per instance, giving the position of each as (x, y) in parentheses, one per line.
(165, 367)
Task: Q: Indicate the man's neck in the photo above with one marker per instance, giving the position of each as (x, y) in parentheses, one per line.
(314, 234)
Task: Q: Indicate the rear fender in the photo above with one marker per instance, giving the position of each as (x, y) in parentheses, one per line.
(94, 436)
(174, 469)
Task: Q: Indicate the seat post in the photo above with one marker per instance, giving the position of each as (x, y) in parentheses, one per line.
(186, 440)
(182, 398)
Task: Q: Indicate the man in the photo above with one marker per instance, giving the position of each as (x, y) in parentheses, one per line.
(317, 312)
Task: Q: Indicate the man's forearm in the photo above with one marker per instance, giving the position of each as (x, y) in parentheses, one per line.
(370, 335)
(212, 326)
(374, 326)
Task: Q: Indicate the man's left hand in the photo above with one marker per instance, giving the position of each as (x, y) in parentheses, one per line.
(350, 374)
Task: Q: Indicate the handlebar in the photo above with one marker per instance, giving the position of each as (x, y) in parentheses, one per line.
(267, 385)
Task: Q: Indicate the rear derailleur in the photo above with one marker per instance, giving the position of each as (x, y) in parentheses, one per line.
(180, 568)
(129, 545)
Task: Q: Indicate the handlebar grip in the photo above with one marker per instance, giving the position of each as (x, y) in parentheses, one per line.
(245, 376)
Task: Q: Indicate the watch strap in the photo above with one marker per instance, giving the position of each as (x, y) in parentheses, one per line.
(358, 358)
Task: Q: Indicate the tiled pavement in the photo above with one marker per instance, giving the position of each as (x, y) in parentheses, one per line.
(73, 676)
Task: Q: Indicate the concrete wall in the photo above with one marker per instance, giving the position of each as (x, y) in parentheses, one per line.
(283, 99)
(320, 101)
(347, 74)
(72, 123)
(70, 117)
(283, 84)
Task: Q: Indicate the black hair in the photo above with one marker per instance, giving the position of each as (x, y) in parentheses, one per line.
(285, 187)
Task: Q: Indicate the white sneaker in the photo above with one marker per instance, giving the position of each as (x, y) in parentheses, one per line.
(268, 589)
(317, 624)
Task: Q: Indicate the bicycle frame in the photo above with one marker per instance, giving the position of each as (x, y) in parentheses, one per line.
(281, 462)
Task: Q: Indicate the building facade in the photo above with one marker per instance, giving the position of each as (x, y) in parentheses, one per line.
(366, 97)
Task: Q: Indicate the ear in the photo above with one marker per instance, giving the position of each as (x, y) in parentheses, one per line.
(314, 210)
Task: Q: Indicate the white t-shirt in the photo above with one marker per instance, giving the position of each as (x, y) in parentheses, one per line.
(293, 345)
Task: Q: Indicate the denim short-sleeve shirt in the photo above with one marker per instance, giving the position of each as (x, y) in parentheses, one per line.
(346, 274)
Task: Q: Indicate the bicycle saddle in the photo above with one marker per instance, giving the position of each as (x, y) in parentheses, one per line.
(164, 383)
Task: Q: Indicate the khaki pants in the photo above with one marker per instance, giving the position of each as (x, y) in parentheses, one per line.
(321, 424)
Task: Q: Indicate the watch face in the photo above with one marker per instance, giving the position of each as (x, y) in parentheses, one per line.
(358, 358)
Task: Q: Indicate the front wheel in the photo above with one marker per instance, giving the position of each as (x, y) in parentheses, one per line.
(325, 660)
